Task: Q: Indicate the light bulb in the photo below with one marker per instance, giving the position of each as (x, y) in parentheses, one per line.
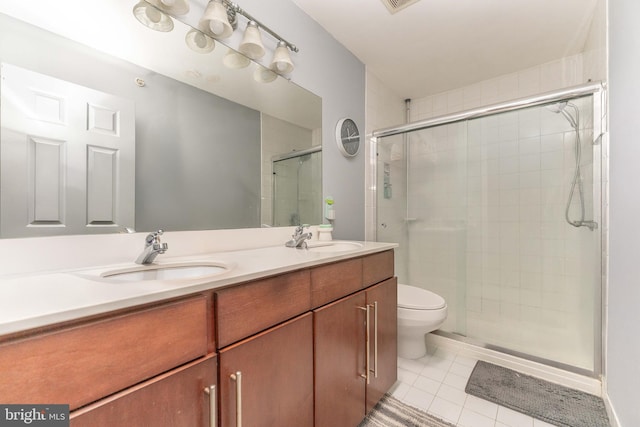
(217, 27)
(200, 40)
(281, 62)
(264, 75)
(153, 14)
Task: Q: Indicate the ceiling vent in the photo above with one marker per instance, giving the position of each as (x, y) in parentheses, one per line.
(397, 5)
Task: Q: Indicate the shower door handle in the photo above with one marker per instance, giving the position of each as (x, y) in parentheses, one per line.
(367, 367)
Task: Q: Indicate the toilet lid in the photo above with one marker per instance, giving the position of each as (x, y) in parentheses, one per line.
(418, 298)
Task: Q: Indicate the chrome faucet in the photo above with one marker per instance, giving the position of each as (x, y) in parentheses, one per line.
(299, 238)
(152, 247)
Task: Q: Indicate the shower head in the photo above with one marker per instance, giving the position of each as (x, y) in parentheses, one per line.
(560, 107)
(303, 159)
(557, 107)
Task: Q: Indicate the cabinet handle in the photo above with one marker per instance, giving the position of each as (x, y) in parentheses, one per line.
(213, 409)
(375, 339)
(368, 345)
(237, 377)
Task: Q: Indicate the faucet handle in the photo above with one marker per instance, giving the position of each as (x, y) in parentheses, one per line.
(299, 230)
(153, 237)
(160, 247)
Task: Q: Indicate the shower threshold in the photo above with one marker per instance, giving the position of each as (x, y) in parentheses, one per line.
(538, 363)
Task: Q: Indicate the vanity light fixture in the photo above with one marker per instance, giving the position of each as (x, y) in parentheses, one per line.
(281, 62)
(251, 44)
(263, 75)
(173, 7)
(152, 17)
(216, 20)
(235, 60)
(199, 42)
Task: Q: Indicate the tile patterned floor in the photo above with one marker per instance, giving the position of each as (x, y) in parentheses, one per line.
(436, 385)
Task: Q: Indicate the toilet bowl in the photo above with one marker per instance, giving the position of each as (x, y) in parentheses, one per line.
(419, 312)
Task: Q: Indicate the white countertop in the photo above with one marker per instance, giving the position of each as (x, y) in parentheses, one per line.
(34, 300)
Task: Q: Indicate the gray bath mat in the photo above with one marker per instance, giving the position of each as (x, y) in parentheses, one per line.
(553, 403)
(390, 412)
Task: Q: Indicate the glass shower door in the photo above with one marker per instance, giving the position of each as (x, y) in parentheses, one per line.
(495, 216)
(421, 204)
(533, 278)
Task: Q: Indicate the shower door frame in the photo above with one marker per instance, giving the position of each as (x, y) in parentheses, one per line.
(600, 193)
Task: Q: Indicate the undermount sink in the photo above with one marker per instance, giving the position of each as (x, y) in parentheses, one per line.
(333, 246)
(173, 271)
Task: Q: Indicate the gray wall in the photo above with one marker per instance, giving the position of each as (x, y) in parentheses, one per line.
(327, 69)
(197, 155)
(201, 149)
(623, 347)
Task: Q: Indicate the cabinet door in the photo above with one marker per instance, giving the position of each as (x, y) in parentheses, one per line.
(339, 338)
(382, 300)
(175, 399)
(267, 380)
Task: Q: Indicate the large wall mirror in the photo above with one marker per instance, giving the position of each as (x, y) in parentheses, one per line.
(107, 124)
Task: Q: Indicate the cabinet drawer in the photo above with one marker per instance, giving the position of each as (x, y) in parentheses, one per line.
(377, 267)
(82, 364)
(174, 399)
(253, 307)
(334, 281)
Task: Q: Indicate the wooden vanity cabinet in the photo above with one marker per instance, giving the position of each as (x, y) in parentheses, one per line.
(252, 307)
(343, 332)
(287, 351)
(377, 267)
(267, 379)
(184, 397)
(333, 281)
(81, 364)
(384, 340)
(148, 367)
(339, 358)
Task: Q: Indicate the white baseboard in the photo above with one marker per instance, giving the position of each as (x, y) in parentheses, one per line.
(611, 413)
(545, 372)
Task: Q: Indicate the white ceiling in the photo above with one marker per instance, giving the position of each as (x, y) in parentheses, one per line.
(437, 45)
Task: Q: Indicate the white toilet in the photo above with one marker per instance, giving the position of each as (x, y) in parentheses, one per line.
(419, 312)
